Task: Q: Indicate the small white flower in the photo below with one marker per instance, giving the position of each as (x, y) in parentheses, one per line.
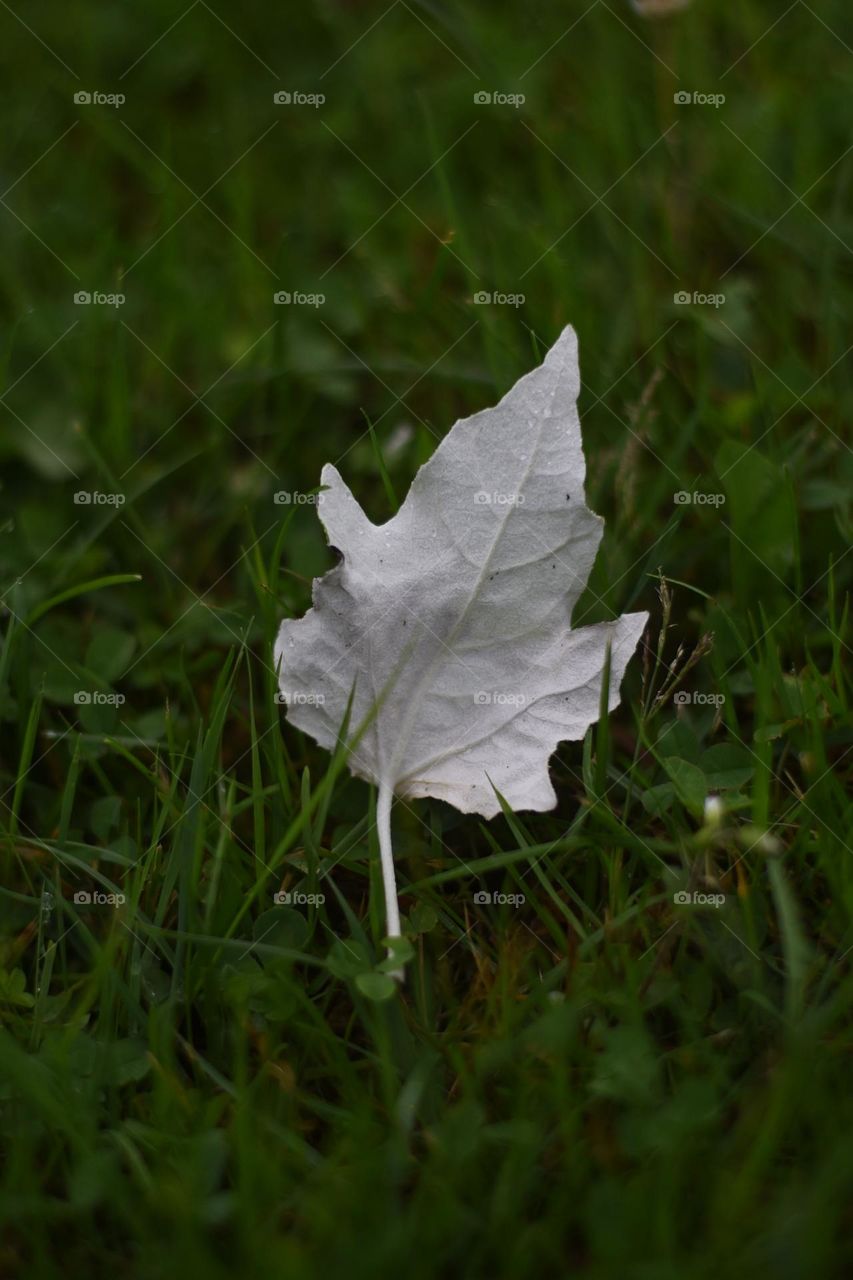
(714, 810)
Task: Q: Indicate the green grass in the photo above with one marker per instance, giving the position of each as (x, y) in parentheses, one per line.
(597, 1082)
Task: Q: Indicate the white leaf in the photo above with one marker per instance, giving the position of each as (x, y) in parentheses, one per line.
(449, 626)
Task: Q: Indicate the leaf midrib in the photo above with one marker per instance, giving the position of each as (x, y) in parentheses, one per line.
(415, 703)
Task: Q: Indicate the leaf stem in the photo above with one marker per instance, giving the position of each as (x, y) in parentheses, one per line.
(386, 854)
